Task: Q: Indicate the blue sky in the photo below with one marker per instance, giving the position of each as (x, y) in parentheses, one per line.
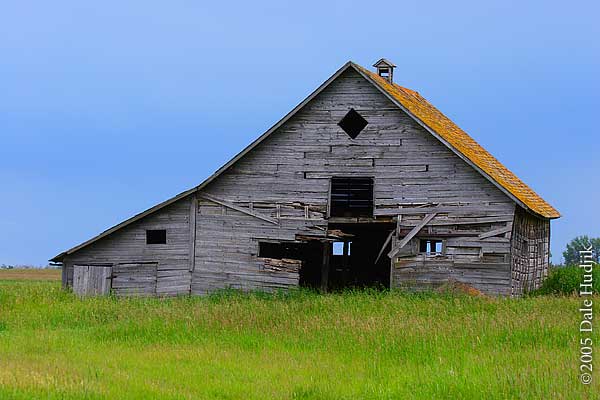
(110, 107)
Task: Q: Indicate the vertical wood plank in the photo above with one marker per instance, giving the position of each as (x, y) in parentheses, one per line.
(192, 223)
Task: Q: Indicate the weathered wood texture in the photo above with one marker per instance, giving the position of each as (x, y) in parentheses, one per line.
(287, 177)
(530, 252)
(128, 245)
(227, 244)
(91, 280)
(280, 190)
(413, 232)
(135, 279)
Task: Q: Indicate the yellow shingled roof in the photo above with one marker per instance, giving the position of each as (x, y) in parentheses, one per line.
(464, 144)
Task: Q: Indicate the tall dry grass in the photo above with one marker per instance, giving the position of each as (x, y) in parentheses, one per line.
(30, 274)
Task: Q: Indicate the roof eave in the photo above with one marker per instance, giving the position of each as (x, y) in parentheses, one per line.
(61, 256)
(58, 258)
(277, 125)
(208, 180)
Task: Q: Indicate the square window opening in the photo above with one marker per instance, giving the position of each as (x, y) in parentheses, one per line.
(353, 123)
(431, 246)
(338, 248)
(156, 236)
(351, 197)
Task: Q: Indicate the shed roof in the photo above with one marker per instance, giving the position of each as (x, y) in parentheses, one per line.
(418, 108)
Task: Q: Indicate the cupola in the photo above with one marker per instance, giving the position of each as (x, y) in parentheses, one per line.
(385, 69)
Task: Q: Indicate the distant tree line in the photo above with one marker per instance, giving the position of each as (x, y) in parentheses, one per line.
(9, 266)
(571, 254)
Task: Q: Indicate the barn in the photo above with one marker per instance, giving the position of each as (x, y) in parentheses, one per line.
(364, 183)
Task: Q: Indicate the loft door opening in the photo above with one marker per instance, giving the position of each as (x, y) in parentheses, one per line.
(351, 197)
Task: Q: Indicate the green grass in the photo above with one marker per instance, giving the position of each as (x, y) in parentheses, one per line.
(355, 345)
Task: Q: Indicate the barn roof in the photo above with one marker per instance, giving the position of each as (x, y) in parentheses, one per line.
(463, 144)
(424, 113)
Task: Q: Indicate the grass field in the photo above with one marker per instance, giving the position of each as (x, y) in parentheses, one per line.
(361, 345)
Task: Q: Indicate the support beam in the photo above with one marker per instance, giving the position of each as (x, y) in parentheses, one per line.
(470, 221)
(64, 276)
(387, 241)
(346, 262)
(325, 268)
(495, 232)
(411, 234)
(453, 209)
(238, 208)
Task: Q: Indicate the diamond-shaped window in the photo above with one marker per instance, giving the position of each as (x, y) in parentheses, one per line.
(353, 123)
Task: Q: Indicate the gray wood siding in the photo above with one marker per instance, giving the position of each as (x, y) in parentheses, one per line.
(530, 252)
(286, 180)
(291, 169)
(227, 247)
(128, 245)
(134, 279)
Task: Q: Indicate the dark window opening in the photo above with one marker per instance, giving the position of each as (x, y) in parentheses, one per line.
(351, 197)
(353, 123)
(156, 236)
(431, 246)
(384, 72)
(279, 250)
(311, 255)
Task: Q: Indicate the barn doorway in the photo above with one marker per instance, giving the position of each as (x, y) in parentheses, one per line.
(122, 279)
(310, 272)
(346, 259)
(92, 280)
(352, 262)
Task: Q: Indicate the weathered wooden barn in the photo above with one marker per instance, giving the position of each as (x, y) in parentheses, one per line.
(364, 183)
